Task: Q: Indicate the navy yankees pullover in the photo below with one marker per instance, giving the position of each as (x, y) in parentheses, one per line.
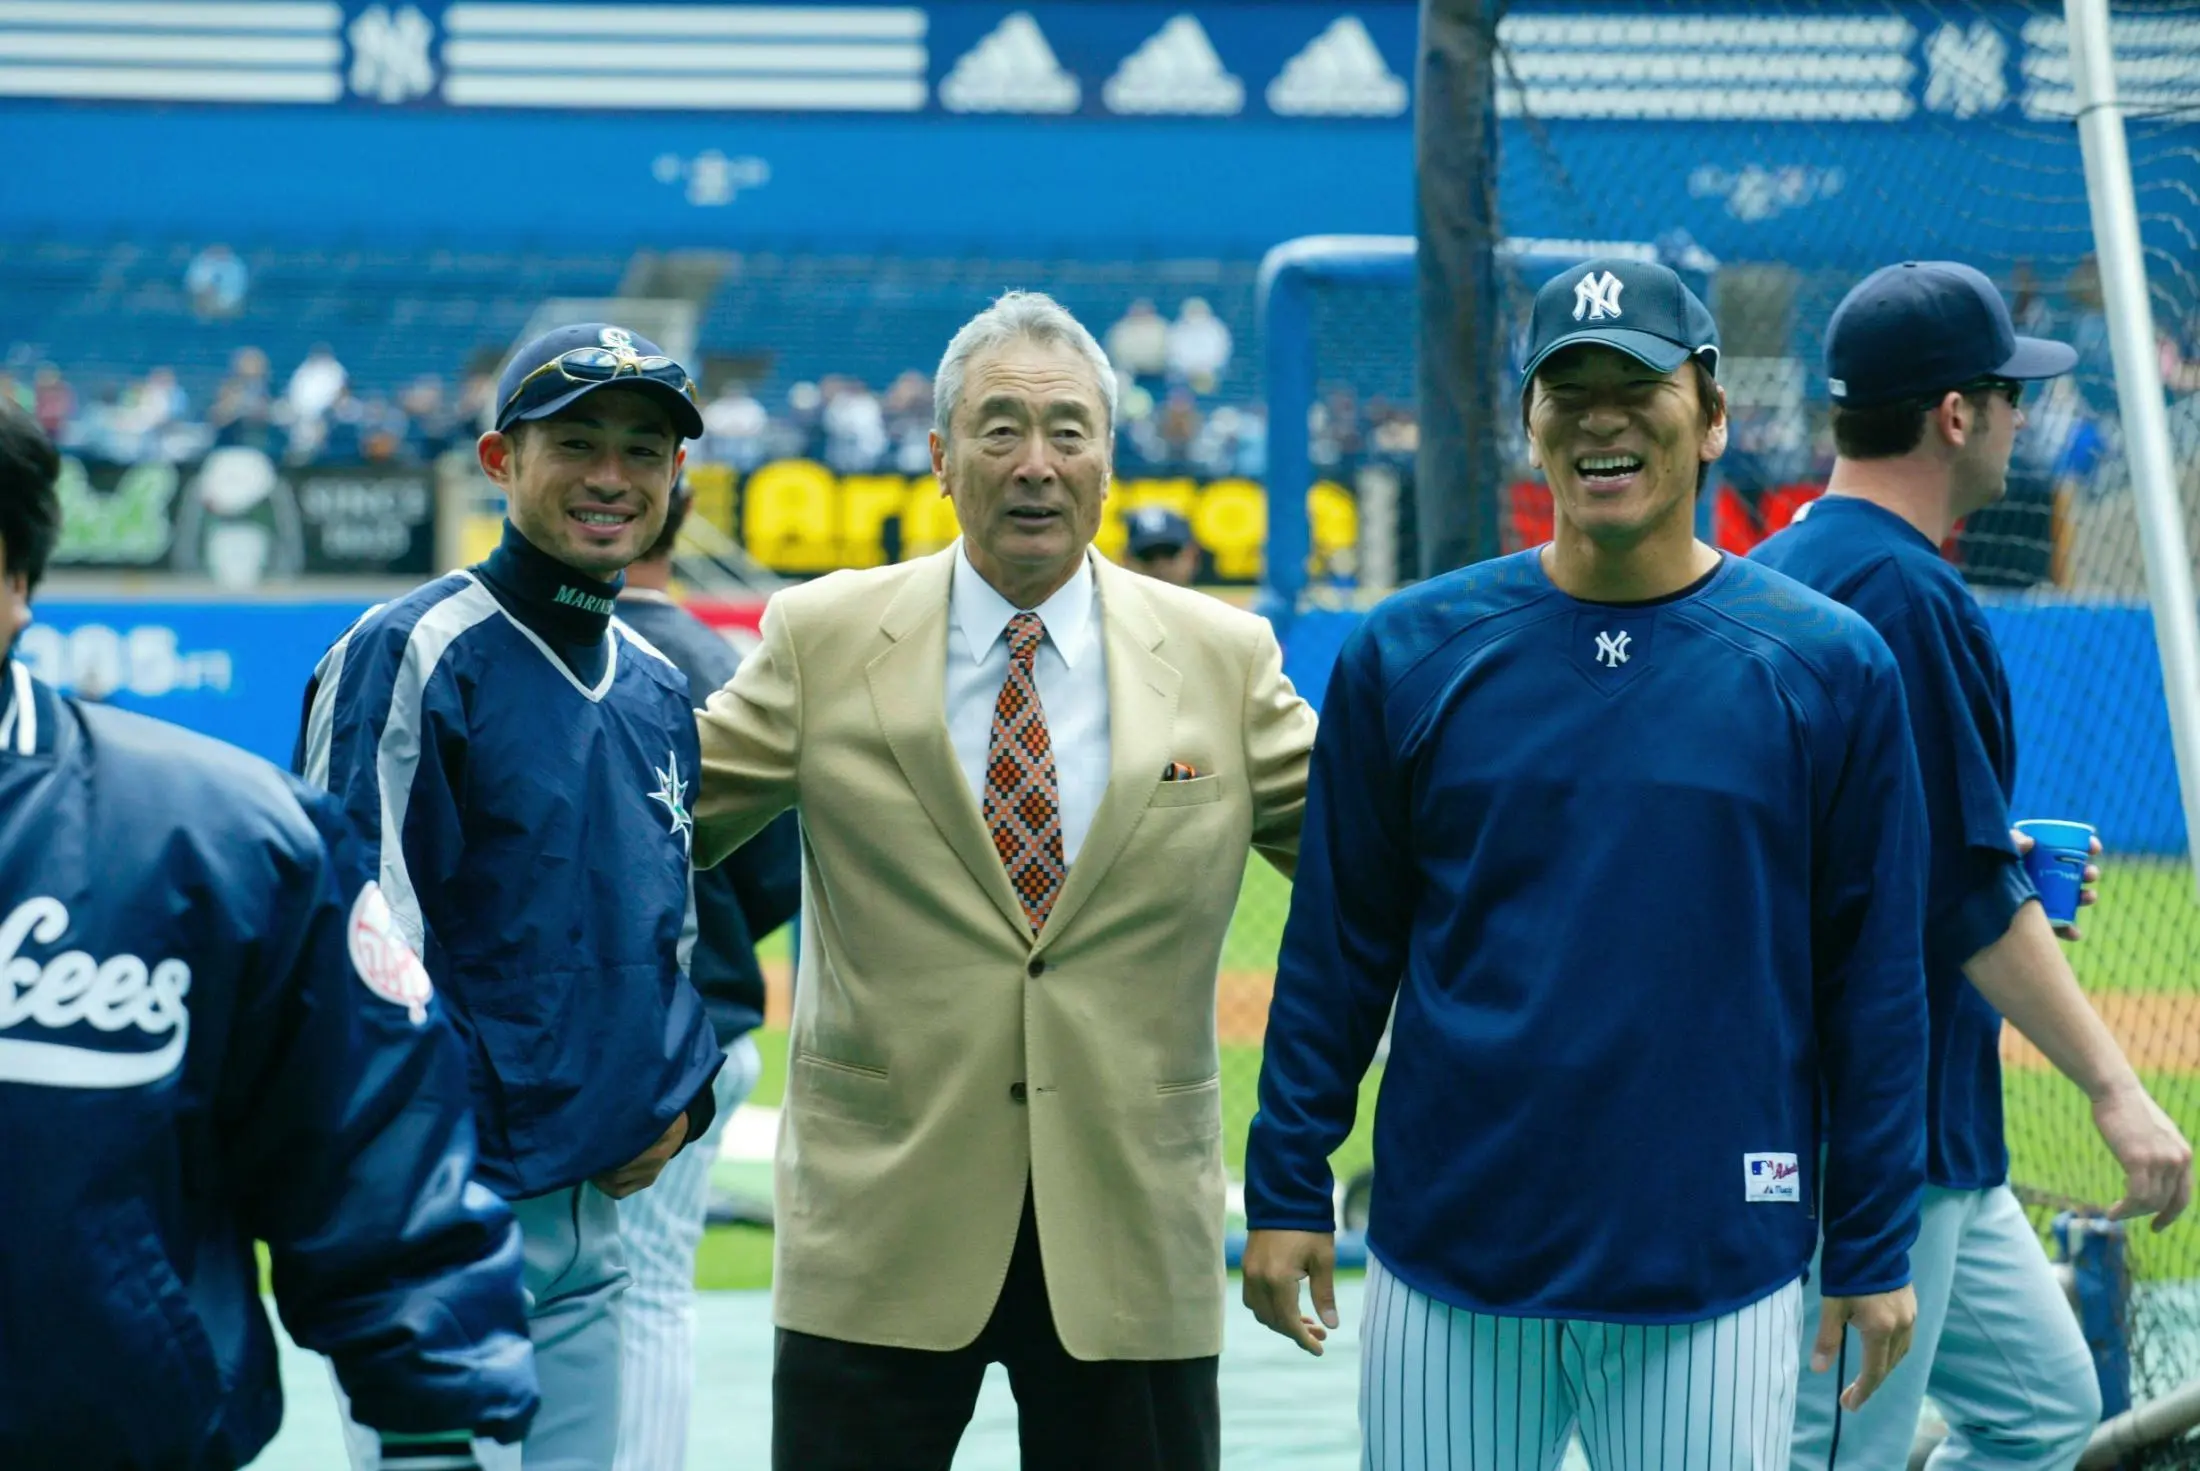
(1643, 882)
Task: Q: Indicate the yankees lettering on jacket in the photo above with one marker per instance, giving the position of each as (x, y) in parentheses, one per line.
(121, 994)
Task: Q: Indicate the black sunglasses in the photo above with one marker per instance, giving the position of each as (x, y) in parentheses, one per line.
(2009, 388)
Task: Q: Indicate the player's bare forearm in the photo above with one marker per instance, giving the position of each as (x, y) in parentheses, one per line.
(1276, 1262)
(2024, 975)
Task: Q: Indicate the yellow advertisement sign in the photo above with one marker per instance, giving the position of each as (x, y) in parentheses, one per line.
(797, 516)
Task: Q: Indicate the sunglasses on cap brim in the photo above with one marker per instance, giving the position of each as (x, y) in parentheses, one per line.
(605, 364)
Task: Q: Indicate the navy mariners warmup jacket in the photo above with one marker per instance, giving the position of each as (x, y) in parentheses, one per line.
(521, 762)
(1642, 880)
(207, 1036)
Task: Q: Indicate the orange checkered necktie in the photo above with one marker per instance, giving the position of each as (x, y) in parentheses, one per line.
(1023, 806)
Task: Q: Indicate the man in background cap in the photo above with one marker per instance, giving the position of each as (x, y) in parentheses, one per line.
(1626, 830)
(1926, 373)
(1161, 545)
(520, 763)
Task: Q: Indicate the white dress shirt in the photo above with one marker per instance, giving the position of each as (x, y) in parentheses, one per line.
(1071, 670)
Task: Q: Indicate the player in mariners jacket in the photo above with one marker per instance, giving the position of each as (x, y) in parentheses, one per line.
(520, 761)
(211, 1033)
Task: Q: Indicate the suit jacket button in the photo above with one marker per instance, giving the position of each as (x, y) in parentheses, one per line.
(1016, 1092)
(1036, 969)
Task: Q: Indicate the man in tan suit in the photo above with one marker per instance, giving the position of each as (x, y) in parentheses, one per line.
(1029, 780)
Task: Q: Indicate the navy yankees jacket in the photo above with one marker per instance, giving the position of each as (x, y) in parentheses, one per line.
(210, 1033)
(520, 763)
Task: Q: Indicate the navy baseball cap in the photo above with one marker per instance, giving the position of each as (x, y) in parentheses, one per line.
(1639, 307)
(566, 364)
(1158, 529)
(1924, 327)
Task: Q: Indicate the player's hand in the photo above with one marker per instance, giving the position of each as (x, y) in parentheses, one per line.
(2087, 892)
(2156, 1160)
(1276, 1262)
(641, 1172)
(1883, 1320)
(450, 1452)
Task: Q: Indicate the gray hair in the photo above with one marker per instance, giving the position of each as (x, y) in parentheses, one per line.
(1018, 316)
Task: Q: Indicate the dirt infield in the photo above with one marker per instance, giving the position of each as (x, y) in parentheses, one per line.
(2157, 1031)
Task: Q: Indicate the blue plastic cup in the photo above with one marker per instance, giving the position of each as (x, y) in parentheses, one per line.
(2056, 864)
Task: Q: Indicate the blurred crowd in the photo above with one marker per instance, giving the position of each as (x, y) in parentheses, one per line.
(313, 415)
(1178, 415)
(1184, 412)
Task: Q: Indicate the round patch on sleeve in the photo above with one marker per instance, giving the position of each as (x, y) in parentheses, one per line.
(382, 957)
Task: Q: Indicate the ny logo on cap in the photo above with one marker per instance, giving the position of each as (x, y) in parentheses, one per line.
(619, 337)
(1597, 297)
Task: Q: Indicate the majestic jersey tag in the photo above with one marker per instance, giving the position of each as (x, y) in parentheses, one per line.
(1773, 1177)
(386, 964)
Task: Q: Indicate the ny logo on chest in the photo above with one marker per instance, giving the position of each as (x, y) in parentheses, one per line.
(1612, 648)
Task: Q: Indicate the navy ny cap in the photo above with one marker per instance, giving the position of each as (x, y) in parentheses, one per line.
(1923, 327)
(1639, 307)
(565, 364)
(1158, 529)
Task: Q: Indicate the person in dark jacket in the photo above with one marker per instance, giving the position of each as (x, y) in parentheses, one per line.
(211, 1034)
(742, 900)
(520, 763)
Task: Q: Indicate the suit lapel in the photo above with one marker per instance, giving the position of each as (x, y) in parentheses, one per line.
(1142, 695)
(909, 693)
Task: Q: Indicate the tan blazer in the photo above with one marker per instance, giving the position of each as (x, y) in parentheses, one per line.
(940, 1052)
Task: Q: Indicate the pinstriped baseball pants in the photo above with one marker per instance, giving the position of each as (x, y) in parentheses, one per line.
(662, 1227)
(1446, 1389)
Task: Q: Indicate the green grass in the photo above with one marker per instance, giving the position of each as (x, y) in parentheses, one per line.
(734, 1259)
(2144, 935)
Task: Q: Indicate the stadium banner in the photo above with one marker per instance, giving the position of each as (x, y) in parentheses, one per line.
(710, 124)
(799, 517)
(232, 669)
(239, 518)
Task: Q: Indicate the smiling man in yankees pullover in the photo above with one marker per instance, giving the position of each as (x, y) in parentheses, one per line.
(521, 762)
(1627, 831)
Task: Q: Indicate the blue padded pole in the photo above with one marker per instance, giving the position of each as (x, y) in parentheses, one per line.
(2094, 1248)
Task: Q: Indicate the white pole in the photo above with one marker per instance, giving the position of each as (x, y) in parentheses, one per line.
(2139, 392)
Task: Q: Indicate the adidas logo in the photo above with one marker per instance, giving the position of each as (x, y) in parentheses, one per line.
(1175, 71)
(1339, 74)
(1012, 70)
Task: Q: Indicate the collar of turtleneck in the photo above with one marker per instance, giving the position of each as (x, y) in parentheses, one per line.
(567, 607)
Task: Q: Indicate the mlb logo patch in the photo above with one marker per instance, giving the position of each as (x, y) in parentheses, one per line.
(1774, 1177)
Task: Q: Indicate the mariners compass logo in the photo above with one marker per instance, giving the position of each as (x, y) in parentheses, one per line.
(672, 792)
